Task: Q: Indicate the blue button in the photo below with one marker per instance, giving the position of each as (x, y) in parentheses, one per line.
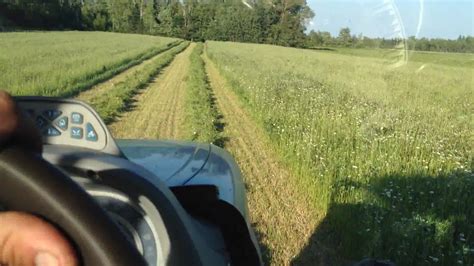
(77, 118)
(41, 122)
(51, 132)
(91, 135)
(76, 132)
(52, 114)
(62, 123)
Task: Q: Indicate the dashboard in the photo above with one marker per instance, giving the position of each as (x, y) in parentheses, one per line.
(68, 122)
(156, 220)
(62, 123)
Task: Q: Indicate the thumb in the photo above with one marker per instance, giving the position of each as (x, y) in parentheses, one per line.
(28, 240)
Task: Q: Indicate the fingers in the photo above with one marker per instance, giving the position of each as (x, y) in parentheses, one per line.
(16, 127)
(28, 240)
(9, 117)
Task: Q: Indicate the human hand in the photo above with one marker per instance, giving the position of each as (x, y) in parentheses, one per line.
(26, 239)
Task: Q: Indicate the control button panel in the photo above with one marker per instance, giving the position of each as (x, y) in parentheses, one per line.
(67, 123)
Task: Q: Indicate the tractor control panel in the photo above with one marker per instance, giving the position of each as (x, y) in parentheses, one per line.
(66, 122)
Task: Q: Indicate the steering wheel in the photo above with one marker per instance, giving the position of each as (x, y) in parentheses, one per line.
(30, 184)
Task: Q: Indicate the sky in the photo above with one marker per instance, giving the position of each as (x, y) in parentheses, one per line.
(395, 18)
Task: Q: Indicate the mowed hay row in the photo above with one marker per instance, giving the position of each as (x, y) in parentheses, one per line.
(116, 100)
(202, 117)
(159, 110)
(65, 63)
(384, 153)
(280, 214)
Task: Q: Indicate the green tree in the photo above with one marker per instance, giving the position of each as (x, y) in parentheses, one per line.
(171, 19)
(150, 17)
(293, 15)
(326, 38)
(345, 38)
(95, 15)
(124, 15)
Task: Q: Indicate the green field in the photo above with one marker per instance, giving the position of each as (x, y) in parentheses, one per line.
(385, 154)
(64, 63)
(450, 59)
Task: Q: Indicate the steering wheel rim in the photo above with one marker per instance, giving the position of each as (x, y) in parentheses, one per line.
(31, 184)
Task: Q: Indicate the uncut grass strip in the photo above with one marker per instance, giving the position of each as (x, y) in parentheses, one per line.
(202, 116)
(101, 89)
(118, 100)
(88, 81)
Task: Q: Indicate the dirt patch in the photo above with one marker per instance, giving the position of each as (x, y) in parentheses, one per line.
(159, 109)
(281, 215)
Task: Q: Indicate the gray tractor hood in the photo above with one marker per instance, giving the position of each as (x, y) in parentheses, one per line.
(178, 165)
(181, 163)
(175, 163)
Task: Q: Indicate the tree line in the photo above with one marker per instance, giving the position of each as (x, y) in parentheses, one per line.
(463, 44)
(281, 22)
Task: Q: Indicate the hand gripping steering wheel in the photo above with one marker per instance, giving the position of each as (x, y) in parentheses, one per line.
(30, 184)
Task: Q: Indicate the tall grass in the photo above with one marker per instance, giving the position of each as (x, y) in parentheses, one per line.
(448, 59)
(385, 153)
(65, 63)
(202, 119)
(117, 99)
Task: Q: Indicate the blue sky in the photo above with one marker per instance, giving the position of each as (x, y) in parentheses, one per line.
(421, 18)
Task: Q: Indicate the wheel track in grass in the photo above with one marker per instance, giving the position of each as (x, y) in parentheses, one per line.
(281, 215)
(101, 88)
(158, 110)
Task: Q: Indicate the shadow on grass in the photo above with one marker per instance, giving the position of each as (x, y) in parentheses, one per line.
(322, 49)
(221, 141)
(264, 250)
(409, 220)
(219, 125)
